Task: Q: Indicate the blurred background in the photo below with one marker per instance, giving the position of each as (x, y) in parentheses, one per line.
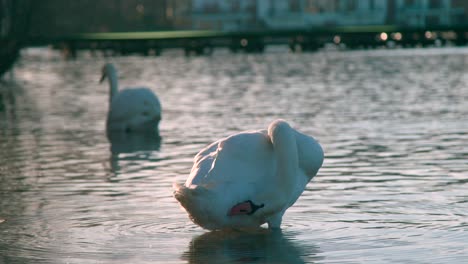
(241, 25)
(58, 18)
(200, 26)
(381, 84)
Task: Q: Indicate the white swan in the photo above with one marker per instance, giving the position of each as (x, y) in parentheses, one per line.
(131, 109)
(250, 178)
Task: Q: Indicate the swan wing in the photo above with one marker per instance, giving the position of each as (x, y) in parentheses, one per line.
(242, 159)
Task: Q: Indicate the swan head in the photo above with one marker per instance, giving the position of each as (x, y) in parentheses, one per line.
(206, 209)
(107, 70)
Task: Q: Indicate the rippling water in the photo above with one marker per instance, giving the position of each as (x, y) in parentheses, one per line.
(393, 188)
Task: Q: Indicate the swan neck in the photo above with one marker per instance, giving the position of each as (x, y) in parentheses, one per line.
(113, 83)
(285, 148)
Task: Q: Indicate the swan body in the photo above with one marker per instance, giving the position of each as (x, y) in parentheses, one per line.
(131, 109)
(250, 178)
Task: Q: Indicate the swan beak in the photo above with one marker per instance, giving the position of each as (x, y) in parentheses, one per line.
(240, 209)
(244, 208)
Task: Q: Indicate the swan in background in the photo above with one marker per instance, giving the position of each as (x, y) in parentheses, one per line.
(131, 109)
(250, 178)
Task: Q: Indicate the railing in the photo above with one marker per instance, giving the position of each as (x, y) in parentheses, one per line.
(204, 41)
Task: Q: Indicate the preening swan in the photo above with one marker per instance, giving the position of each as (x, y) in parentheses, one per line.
(250, 178)
(131, 109)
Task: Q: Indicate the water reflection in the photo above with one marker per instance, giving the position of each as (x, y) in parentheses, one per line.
(260, 246)
(7, 104)
(131, 144)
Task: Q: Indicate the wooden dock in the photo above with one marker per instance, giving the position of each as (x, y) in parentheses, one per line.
(204, 41)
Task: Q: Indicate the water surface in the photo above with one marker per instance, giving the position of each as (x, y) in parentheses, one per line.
(393, 125)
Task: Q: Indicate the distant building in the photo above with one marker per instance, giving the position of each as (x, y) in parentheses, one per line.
(228, 15)
(461, 18)
(178, 13)
(58, 17)
(423, 13)
(277, 14)
(284, 14)
(310, 13)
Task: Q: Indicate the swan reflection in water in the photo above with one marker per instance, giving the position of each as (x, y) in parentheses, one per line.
(131, 143)
(259, 246)
(122, 142)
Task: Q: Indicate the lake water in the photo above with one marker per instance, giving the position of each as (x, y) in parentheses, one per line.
(393, 187)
